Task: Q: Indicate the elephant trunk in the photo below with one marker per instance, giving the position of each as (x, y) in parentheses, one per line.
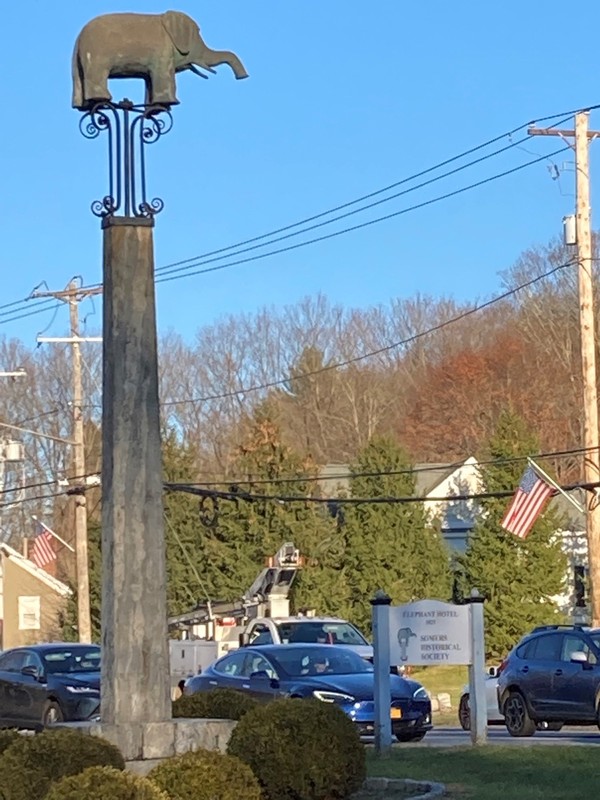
(212, 58)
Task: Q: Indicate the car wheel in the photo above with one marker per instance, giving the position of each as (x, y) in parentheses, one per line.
(516, 716)
(410, 737)
(52, 714)
(464, 713)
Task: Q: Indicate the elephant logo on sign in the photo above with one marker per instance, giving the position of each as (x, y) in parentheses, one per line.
(404, 636)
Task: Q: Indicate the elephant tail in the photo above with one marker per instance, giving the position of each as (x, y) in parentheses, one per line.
(77, 99)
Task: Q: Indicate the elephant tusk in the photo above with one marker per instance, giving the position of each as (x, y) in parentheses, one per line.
(195, 69)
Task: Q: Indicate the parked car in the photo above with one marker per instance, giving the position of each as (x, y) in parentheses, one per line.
(552, 676)
(331, 674)
(49, 683)
(494, 717)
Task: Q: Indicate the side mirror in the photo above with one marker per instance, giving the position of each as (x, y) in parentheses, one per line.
(579, 657)
(493, 672)
(244, 639)
(32, 672)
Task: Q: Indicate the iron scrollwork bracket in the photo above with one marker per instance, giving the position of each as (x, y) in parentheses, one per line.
(129, 128)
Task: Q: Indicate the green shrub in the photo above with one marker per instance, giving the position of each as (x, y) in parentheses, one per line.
(206, 775)
(216, 704)
(105, 783)
(7, 737)
(33, 763)
(301, 750)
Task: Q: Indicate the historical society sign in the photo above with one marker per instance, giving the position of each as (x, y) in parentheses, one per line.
(430, 632)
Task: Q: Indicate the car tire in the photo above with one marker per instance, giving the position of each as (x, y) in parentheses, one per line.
(52, 714)
(516, 716)
(464, 713)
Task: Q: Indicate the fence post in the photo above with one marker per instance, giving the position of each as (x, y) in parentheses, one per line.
(381, 662)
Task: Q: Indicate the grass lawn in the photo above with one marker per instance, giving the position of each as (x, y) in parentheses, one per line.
(497, 773)
(443, 679)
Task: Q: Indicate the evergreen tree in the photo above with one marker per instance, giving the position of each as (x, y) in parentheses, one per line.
(390, 546)
(517, 577)
(247, 532)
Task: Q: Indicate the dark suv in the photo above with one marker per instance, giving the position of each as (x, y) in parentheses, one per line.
(552, 676)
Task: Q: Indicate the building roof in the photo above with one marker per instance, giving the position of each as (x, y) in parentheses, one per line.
(24, 563)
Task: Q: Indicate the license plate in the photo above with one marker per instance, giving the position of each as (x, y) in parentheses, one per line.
(396, 713)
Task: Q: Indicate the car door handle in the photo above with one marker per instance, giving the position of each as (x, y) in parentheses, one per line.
(213, 683)
(558, 672)
(525, 669)
(245, 685)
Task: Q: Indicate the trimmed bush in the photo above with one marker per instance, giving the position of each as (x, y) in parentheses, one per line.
(206, 775)
(7, 737)
(216, 704)
(105, 783)
(33, 763)
(301, 750)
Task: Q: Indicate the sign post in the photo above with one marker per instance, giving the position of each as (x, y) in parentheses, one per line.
(381, 663)
(477, 695)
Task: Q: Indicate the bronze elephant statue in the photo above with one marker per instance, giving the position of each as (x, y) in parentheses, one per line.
(150, 46)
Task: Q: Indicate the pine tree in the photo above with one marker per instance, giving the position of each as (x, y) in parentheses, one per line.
(390, 546)
(247, 532)
(517, 577)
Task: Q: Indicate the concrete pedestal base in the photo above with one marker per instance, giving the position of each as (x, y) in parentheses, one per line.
(144, 745)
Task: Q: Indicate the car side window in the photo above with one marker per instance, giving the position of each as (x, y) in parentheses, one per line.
(12, 662)
(573, 644)
(231, 665)
(256, 663)
(547, 648)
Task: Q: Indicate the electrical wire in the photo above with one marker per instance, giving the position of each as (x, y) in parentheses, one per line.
(362, 225)
(391, 473)
(29, 314)
(389, 187)
(394, 345)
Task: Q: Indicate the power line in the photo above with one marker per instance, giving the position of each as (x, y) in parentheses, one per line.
(261, 498)
(415, 176)
(29, 314)
(390, 473)
(362, 225)
(394, 345)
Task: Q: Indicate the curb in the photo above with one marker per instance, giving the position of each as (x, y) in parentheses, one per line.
(429, 788)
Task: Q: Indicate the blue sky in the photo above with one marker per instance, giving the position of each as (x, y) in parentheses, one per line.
(344, 97)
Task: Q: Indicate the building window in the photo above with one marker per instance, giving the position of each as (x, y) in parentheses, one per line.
(579, 581)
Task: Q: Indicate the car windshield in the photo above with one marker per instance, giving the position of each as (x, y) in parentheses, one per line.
(317, 632)
(301, 661)
(72, 659)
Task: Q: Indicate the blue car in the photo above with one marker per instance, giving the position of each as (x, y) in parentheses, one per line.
(49, 683)
(331, 674)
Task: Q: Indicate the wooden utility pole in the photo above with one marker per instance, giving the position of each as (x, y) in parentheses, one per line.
(73, 295)
(582, 136)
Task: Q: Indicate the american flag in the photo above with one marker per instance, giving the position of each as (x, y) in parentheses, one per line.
(528, 503)
(42, 551)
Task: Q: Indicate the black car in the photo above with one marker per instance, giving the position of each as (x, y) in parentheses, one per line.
(553, 677)
(330, 674)
(49, 683)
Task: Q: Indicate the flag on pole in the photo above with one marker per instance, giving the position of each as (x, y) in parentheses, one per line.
(528, 503)
(42, 551)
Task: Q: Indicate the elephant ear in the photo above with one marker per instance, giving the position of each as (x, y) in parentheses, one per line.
(182, 30)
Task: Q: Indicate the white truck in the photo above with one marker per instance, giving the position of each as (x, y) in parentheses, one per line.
(261, 616)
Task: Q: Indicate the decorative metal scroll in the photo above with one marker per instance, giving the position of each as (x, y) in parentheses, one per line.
(129, 128)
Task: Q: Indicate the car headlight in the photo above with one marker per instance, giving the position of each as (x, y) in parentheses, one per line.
(332, 697)
(420, 694)
(81, 690)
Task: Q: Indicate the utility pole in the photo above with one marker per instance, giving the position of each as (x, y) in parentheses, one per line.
(73, 295)
(582, 136)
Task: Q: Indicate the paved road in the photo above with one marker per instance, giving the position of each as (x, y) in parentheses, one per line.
(451, 737)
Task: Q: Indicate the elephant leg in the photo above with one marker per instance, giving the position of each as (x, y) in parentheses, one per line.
(163, 89)
(95, 84)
